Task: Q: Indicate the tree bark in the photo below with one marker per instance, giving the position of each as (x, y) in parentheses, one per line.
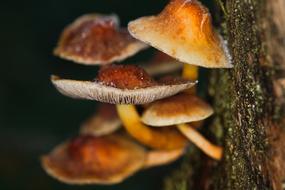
(249, 99)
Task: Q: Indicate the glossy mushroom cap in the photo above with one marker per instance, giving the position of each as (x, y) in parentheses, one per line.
(94, 160)
(96, 39)
(184, 31)
(104, 122)
(121, 85)
(125, 77)
(178, 109)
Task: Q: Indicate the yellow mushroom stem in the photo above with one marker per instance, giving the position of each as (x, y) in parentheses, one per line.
(167, 138)
(190, 72)
(162, 157)
(201, 142)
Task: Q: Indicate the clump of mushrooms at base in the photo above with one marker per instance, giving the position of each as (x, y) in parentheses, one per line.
(172, 112)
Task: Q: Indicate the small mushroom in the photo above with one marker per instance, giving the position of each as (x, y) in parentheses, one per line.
(184, 31)
(95, 39)
(104, 122)
(162, 64)
(117, 84)
(167, 138)
(102, 160)
(178, 110)
(95, 160)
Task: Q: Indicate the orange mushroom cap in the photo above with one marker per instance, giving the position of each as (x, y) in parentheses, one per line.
(178, 109)
(94, 160)
(184, 31)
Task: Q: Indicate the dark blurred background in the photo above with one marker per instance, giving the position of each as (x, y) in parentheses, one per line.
(34, 117)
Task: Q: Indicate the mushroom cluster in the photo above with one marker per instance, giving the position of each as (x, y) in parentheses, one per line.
(119, 140)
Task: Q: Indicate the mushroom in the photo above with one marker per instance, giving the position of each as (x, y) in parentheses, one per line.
(117, 84)
(184, 31)
(162, 64)
(96, 39)
(90, 159)
(104, 122)
(178, 110)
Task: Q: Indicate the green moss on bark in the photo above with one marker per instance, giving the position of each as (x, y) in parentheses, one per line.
(247, 101)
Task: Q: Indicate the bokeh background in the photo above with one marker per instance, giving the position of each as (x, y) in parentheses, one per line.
(34, 117)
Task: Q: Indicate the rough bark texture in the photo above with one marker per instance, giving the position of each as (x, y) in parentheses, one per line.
(249, 99)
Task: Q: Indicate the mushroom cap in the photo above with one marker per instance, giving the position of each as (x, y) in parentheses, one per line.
(93, 90)
(104, 122)
(96, 160)
(95, 39)
(178, 109)
(184, 31)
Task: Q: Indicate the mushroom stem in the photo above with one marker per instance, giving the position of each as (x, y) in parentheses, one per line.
(162, 157)
(190, 72)
(196, 138)
(154, 138)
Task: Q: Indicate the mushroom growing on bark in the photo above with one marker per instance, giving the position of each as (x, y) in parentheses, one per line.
(179, 110)
(184, 31)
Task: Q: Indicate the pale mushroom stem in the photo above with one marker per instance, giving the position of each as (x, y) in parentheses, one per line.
(153, 138)
(162, 157)
(201, 142)
(190, 72)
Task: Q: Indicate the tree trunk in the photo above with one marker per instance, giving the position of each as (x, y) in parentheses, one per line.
(248, 100)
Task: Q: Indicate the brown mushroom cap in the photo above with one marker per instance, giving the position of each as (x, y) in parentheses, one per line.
(125, 77)
(96, 39)
(104, 122)
(95, 160)
(183, 30)
(137, 89)
(178, 109)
